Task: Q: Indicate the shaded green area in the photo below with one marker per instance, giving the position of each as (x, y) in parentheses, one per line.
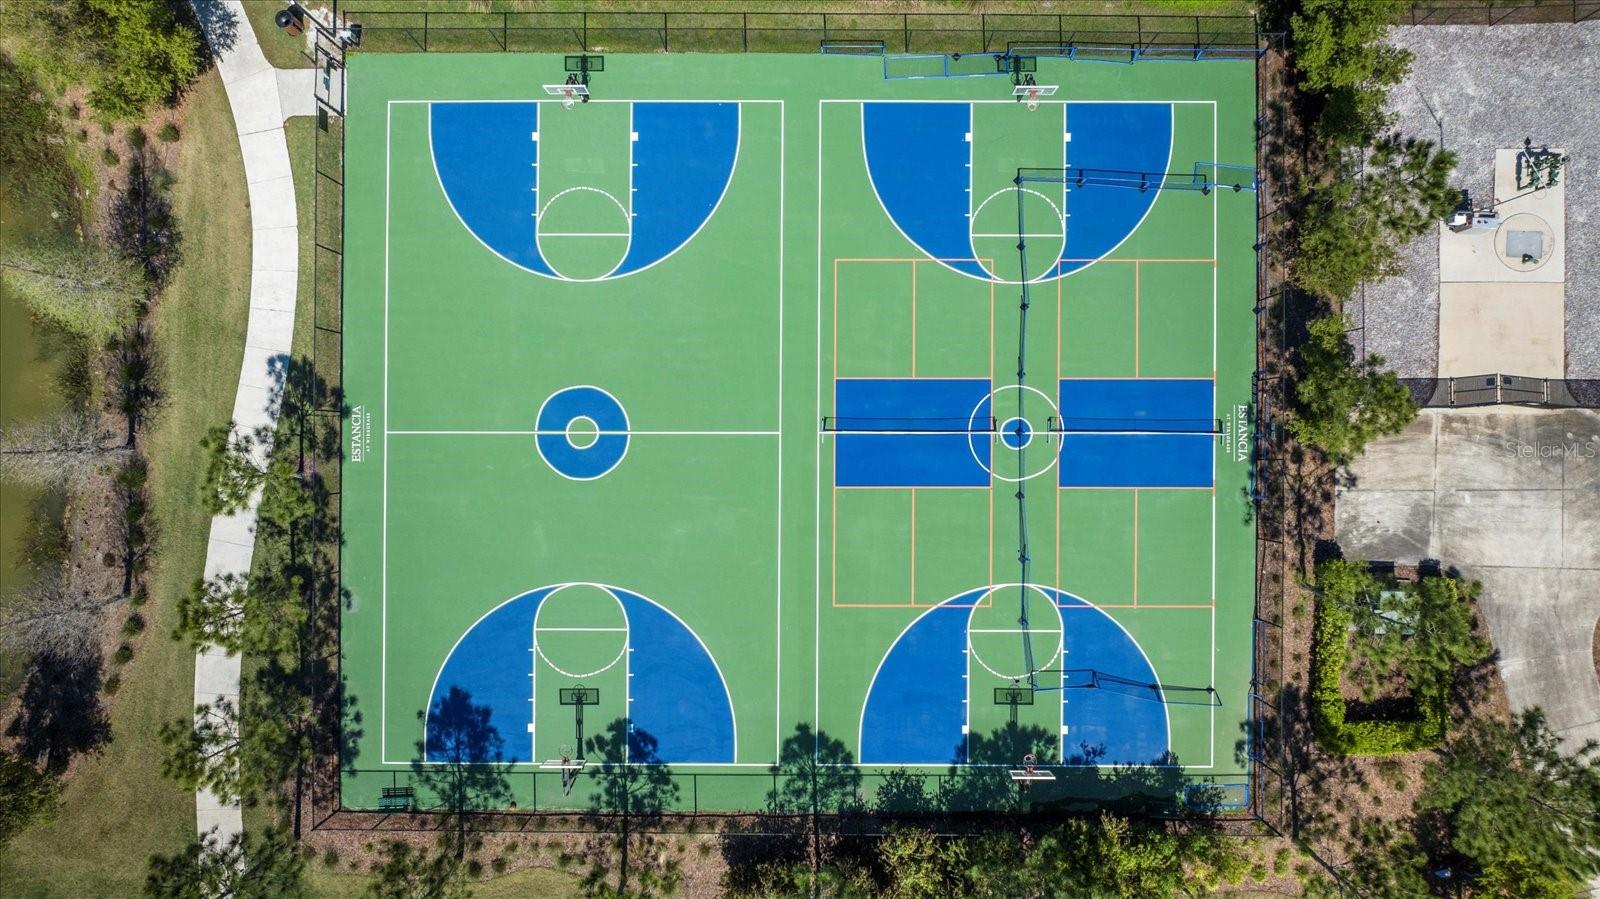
(796, 589)
(118, 809)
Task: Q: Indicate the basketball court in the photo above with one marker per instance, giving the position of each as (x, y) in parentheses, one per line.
(731, 401)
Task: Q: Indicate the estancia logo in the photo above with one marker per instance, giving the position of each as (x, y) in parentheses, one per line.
(1571, 448)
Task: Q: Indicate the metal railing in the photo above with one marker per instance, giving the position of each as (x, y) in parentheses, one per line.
(769, 32)
(1568, 12)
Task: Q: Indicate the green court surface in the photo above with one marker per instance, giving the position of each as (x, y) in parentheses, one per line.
(706, 395)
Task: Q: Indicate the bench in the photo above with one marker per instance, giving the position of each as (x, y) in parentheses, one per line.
(395, 799)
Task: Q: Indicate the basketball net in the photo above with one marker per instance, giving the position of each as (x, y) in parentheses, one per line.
(569, 98)
(1032, 99)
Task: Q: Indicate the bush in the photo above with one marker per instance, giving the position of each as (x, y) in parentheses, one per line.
(1345, 403)
(109, 156)
(134, 53)
(133, 626)
(123, 655)
(168, 133)
(330, 857)
(111, 684)
(137, 138)
(1330, 643)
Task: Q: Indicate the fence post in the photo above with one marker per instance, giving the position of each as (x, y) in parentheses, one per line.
(424, 31)
(695, 785)
(583, 41)
(505, 28)
(1060, 34)
(824, 28)
(666, 46)
(905, 32)
(744, 32)
(983, 31)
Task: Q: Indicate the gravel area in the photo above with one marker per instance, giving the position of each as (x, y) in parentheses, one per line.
(1485, 88)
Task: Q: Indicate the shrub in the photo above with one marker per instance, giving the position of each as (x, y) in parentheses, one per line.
(133, 626)
(111, 684)
(1330, 646)
(123, 655)
(330, 857)
(499, 865)
(135, 53)
(109, 156)
(168, 133)
(137, 138)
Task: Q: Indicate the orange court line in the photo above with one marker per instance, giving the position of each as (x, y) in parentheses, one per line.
(1140, 608)
(1212, 261)
(923, 487)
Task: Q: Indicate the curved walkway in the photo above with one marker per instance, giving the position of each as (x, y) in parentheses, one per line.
(253, 89)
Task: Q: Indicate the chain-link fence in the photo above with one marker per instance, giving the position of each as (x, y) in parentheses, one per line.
(729, 31)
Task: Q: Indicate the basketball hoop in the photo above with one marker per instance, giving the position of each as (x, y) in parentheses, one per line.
(1030, 93)
(569, 767)
(1029, 773)
(571, 94)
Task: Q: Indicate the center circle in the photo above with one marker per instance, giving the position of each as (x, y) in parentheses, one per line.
(1016, 433)
(1030, 405)
(582, 432)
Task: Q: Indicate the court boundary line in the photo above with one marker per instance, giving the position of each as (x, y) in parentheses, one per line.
(388, 217)
(1214, 262)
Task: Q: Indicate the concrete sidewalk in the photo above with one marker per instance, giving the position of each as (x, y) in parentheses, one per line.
(256, 93)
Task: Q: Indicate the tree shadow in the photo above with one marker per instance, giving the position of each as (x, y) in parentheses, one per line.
(59, 713)
(460, 767)
(217, 23)
(815, 776)
(631, 789)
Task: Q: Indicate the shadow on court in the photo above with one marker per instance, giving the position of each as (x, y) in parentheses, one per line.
(466, 768)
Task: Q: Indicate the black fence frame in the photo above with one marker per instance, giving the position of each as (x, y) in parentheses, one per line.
(734, 31)
(1562, 12)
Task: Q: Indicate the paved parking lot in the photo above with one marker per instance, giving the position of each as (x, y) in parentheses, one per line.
(1510, 497)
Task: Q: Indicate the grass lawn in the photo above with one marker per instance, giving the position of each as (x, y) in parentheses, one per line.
(118, 809)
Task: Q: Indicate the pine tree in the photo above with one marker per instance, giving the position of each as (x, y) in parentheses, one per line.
(1343, 403)
(1524, 812)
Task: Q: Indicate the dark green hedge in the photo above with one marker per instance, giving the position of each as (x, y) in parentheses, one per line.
(1329, 654)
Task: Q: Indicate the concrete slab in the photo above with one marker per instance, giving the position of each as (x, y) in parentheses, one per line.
(1403, 462)
(270, 329)
(254, 406)
(1500, 527)
(1517, 329)
(220, 670)
(297, 91)
(1580, 529)
(274, 288)
(1482, 452)
(257, 107)
(274, 250)
(272, 201)
(1393, 525)
(263, 146)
